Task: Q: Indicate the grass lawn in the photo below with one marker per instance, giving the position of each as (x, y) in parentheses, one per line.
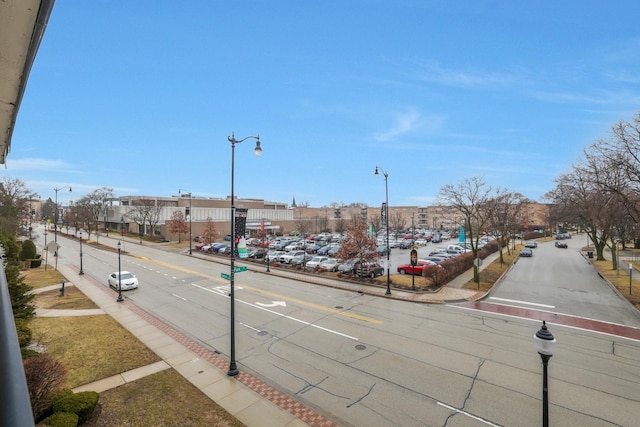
(620, 281)
(96, 347)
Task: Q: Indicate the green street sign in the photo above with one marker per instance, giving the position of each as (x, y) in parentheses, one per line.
(225, 276)
(239, 269)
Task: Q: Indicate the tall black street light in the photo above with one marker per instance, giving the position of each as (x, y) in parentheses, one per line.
(545, 344)
(81, 270)
(386, 218)
(189, 218)
(120, 299)
(55, 225)
(233, 369)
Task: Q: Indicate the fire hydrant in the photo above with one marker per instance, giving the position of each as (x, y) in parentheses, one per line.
(62, 289)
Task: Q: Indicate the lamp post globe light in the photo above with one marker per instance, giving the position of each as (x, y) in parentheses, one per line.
(81, 270)
(386, 225)
(190, 214)
(55, 216)
(120, 299)
(233, 369)
(545, 344)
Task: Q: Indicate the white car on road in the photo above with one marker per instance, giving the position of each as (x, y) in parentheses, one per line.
(127, 280)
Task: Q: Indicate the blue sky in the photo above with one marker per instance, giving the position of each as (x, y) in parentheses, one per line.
(140, 96)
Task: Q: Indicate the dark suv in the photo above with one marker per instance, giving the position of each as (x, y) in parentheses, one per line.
(369, 269)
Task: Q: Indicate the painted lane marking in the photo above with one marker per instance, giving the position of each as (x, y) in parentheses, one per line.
(522, 302)
(304, 322)
(278, 296)
(178, 296)
(273, 304)
(475, 417)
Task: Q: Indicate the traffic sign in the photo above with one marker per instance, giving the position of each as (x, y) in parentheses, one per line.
(225, 276)
(240, 269)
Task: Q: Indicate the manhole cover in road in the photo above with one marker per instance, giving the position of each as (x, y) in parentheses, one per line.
(262, 333)
(339, 307)
(361, 347)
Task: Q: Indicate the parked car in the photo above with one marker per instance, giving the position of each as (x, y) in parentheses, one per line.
(406, 244)
(255, 253)
(526, 252)
(301, 259)
(197, 239)
(329, 265)
(311, 248)
(215, 248)
(382, 250)
(315, 261)
(531, 244)
(369, 269)
(272, 256)
(286, 257)
(410, 269)
(434, 259)
(422, 242)
(126, 280)
(562, 245)
(348, 266)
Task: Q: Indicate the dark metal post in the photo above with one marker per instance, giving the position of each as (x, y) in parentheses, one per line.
(120, 299)
(81, 271)
(545, 390)
(233, 368)
(55, 225)
(545, 344)
(386, 215)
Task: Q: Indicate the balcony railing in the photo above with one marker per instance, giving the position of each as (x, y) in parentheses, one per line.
(15, 405)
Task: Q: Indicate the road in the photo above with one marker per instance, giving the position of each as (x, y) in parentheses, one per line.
(365, 360)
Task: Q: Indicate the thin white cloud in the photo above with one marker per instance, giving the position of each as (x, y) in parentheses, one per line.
(38, 164)
(435, 73)
(408, 122)
(403, 123)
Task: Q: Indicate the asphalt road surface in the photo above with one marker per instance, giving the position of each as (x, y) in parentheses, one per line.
(365, 360)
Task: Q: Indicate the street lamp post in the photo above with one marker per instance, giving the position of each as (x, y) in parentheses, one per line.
(190, 214)
(630, 276)
(386, 217)
(233, 369)
(46, 251)
(545, 344)
(81, 270)
(120, 299)
(55, 225)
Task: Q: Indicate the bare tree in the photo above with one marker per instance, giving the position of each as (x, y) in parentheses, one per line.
(397, 222)
(14, 204)
(144, 212)
(303, 226)
(471, 198)
(209, 234)
(506, 209)
(178, 224)
(357, 244)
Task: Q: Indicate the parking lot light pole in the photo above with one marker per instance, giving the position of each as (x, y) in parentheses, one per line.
(190, 214)
(545, 344)
(120, 299)
(55, 225)
(81, 271)
(386, 216)
(233, 369)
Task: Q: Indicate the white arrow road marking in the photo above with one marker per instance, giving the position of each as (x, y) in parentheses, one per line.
(226, 295)
(273, 304)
